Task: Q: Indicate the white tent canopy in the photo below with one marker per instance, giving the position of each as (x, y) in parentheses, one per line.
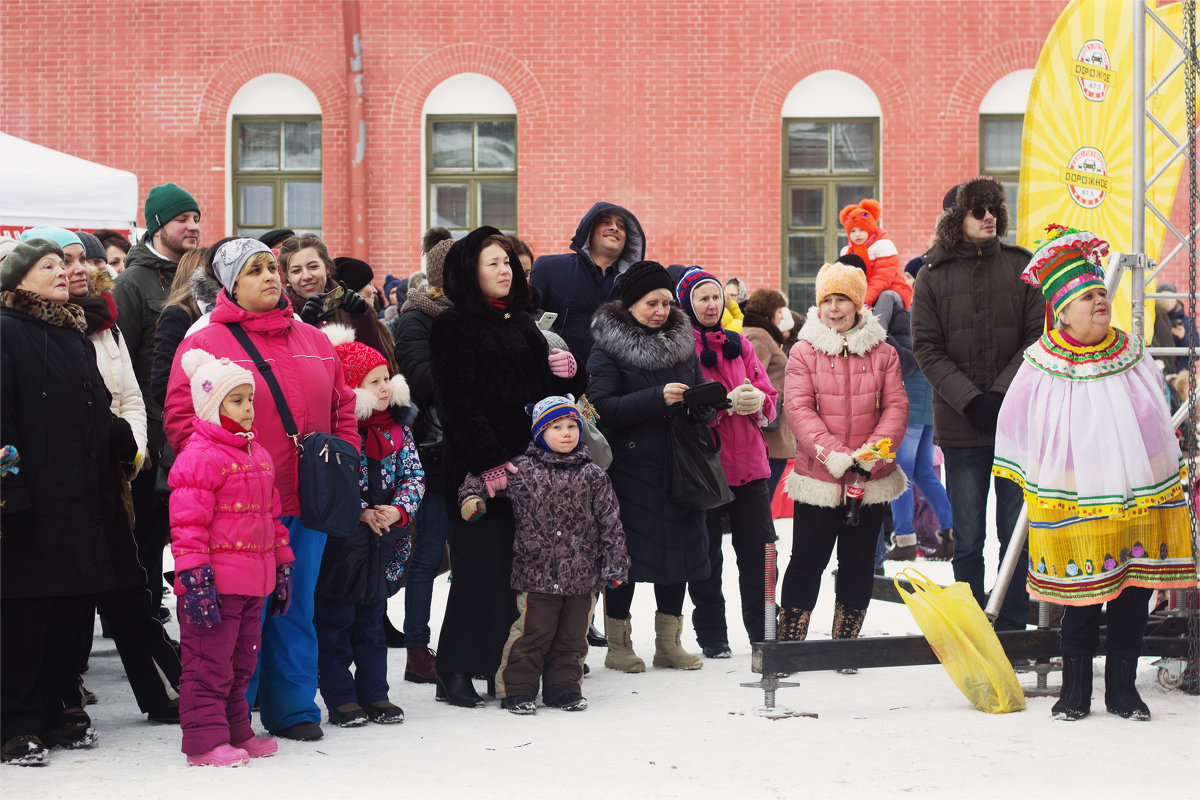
(43, 186)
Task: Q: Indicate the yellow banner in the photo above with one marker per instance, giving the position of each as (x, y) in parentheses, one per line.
(1076, 152)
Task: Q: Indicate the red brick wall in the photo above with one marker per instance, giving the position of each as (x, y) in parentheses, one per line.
(669, 108)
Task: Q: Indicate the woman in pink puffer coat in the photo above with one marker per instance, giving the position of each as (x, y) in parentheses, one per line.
(842, 391)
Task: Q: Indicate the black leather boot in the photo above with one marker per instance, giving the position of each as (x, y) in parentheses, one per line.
(456, 689)
(1120, 694)
(1075, 697)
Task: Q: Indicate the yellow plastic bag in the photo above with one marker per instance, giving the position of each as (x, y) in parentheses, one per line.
(961, 636)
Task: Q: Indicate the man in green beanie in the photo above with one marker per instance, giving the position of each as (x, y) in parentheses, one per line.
(172, 229)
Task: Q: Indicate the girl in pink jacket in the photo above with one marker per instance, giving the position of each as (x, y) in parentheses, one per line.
(230, 551)
(843, 391)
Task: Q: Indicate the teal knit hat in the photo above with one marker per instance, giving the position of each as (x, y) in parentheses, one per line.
(60, 236)
(164, 203)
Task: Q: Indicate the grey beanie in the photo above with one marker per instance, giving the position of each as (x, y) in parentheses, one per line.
(22, 258)
(91, 246)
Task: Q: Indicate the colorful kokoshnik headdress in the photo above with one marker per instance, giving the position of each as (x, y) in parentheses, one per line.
(1066, 264)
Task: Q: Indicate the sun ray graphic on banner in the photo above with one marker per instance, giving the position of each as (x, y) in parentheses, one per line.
(1077, 149)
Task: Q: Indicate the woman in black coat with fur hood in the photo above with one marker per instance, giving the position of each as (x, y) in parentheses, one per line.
(643, 357)
(489, 361)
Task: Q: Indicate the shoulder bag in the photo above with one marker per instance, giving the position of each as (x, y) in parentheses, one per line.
(328, 465)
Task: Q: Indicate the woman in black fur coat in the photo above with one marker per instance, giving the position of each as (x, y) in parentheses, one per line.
(489, 360)
(643, 357)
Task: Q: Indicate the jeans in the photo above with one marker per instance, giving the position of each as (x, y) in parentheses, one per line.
(968, 471)
(777, 465)
(286, 679)
(915, 457)
(432, 526)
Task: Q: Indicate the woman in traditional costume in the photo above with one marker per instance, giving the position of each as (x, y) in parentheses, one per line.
(1086, 432)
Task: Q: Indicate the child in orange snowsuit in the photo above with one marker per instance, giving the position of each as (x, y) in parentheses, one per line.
(871, 243)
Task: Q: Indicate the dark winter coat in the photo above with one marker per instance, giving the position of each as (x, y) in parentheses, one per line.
(972, 318)
(569, 539)
(413, 329)
(365, 329)
(628, 368)
(140, 292)
(354, 568)
(173, 325)
(765, 338)
(65, 530)
(488, 364)
(573, 287)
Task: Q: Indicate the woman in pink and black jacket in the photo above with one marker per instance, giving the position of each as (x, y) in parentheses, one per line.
(843, 391)
(726, 357)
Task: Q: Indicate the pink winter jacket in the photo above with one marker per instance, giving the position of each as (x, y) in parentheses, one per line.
(302, 360)
(224, 511)
(743, 449)
(842, 391)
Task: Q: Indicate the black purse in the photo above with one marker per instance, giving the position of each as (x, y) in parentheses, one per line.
(698, 480)
(328, 465)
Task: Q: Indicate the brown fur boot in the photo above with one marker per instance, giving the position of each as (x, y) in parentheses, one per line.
(847, 622)
(793, 624)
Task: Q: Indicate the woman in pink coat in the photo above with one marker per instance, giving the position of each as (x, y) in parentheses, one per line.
(842, 392)
(310, 376)
(728, 358)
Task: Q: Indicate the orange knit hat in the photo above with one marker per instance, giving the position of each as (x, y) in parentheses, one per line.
(842, 279)
(865, 215)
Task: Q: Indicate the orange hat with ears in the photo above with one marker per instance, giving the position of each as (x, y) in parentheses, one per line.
(865, 215)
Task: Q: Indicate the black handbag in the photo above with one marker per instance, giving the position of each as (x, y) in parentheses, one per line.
(328, 465)
(698, 480)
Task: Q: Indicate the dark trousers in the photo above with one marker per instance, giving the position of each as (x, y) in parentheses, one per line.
(1125, 627)
(668, 596)
(151, 531)
(217, 665)
(815, 531)
(38, 638)
(547, 641)
(752, 529)
(968, 473)
(151, 662)
(480, 607)
(351, 634)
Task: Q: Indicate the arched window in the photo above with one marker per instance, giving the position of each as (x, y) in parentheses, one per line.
(830, 160)
(274, 150)
(1001, 119)
(470, 155)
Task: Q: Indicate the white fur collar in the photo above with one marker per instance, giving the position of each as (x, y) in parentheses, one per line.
(364, 401)
(860, 339)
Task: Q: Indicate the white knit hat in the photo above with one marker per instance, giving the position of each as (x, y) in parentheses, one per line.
(212, 379)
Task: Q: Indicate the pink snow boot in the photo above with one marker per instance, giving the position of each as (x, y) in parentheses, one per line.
(258, 746)
(222, 755)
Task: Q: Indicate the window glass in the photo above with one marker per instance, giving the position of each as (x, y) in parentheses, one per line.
(258, 205)
(302, 145)
(449, 206)
(808, 146)
(498, 205)
(451, 145)
(258, 145)
(853, 146)
(808, 206)
(1001, 144)
(302, 205)
(496, 145)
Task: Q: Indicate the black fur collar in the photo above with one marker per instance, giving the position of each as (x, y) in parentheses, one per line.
(616, 332)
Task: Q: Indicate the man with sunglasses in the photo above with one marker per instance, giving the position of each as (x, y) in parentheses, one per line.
(972, 318)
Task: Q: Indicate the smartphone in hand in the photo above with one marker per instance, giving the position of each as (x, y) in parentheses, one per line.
(333, 300)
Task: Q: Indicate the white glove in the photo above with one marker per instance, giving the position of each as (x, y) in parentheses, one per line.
(746, 399)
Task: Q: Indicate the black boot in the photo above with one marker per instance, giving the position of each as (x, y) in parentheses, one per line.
(595, 638)
(456, 689)
(1075, 697)
(1120, 694)
(392, 637)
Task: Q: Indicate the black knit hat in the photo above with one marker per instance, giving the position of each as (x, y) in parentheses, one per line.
(273, 238)
(91, 246)
(914, 266)
(641, 279)
(354, 273)
(853, 260)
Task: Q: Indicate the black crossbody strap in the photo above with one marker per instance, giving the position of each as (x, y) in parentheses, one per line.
(264, 369)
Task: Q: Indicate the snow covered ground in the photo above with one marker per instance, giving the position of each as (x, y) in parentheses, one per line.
(891, 732)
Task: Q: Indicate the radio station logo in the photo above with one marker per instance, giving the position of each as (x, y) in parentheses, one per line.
(1091, 67)
(1086, 177)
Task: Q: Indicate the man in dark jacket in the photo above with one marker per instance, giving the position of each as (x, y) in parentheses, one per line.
(607, 242)
(172, 229)
(972, 318)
